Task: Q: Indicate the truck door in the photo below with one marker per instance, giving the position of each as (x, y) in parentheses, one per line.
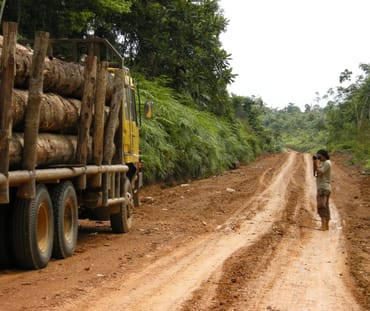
(130, 124)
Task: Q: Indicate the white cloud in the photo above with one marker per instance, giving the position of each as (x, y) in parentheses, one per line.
(285, 51)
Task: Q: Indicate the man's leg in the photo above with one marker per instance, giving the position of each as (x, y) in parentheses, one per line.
(323, 209)
(327, 212)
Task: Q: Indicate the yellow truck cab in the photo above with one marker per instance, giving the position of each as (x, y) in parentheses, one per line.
(131, 135)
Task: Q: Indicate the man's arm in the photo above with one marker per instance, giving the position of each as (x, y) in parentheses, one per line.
(321, 170)
(315, 167)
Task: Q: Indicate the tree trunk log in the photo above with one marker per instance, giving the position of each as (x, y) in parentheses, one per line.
(57, 114)
(6, 98)
(113, 118)
(60, 77)
(86, 113)
(32, 119)
(98, 131)
(52, 149)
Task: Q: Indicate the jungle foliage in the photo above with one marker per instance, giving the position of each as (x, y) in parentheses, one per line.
(340, 123)
(348, 116)
(182, 142)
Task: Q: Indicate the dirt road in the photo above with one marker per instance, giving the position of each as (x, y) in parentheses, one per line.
(244, 240)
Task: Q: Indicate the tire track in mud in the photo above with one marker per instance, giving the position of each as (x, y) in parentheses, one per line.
(233, 283)
(310, 272)
(168, 282)
(293, 266)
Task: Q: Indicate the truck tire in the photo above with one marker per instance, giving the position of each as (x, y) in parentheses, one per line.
(5, 237)
(65, 210)
(121, 222)
(33, 230)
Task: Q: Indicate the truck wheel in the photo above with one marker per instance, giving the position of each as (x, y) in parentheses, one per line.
(5, 242)
(65, 210)
(121, 222)
(33, 230)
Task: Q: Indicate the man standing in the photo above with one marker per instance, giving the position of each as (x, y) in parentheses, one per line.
(322, 170)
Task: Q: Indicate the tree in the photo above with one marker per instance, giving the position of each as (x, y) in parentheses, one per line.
(250, 109)
(179, 39)
(68, 19)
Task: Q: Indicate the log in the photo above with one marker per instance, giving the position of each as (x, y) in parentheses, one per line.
(57, 114)
(113, 117)
(86, 114)
(60, 77)
(52, 149)
(32, 119)
(98, 132)
(110, 129)
(6, 86)
(99, 113)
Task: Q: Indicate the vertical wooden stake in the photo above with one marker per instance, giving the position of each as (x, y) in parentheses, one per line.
(98, 132)
(111, 126)
(86, 113)
(113, 117)
(6, 96)
(32, 119)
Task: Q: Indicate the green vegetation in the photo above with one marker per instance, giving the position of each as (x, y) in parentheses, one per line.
(292, 128)
(348, 117)
(181, 142)
(343, 124)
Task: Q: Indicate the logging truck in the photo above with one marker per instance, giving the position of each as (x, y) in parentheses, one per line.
(69, 145)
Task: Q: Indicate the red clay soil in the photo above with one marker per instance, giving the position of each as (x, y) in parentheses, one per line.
(248, 239)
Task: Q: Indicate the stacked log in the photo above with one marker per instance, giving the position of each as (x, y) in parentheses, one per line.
(60, 114)
(60, 77)
(51, 149)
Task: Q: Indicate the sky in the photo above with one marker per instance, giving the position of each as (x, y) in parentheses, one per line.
(288, 50)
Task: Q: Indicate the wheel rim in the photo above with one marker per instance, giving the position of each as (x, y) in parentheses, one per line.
(68, 221)
(43, 227)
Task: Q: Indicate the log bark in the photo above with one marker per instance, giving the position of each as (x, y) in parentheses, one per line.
(110, 129)
(99, 113)
(98, 132)
(34, 101)
(58, 114)
(113, 118)
(31, 129)
(6, 94)
(87, 107)
(60, 77)
(52, 149)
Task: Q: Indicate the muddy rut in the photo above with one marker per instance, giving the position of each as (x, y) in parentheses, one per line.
(245, 240)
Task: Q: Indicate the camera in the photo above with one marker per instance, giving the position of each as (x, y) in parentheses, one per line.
(316, 157)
